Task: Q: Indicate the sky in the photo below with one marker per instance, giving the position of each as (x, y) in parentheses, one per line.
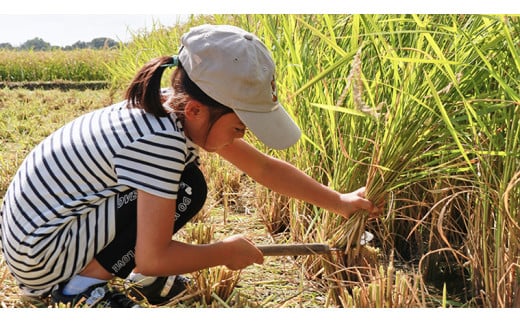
(63, 22)
(66, 29)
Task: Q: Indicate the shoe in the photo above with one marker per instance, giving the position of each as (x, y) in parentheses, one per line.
(161, 290)
(99, 295)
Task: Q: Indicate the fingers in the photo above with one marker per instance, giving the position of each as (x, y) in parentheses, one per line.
(361, 192)
(259, 257)
(245, 252)
(368, 205)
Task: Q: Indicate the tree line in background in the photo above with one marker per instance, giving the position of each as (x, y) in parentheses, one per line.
(38, 44)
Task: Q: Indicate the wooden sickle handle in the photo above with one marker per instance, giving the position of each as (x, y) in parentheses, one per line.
(294, 249)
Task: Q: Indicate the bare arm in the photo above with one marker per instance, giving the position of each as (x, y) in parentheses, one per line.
(157, 254)
(288, 180)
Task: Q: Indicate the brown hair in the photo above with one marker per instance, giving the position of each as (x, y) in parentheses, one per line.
(145, 90)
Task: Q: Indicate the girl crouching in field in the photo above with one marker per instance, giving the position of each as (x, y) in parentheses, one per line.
(100, 197)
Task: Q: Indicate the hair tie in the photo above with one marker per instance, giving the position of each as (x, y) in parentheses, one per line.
(175, 62)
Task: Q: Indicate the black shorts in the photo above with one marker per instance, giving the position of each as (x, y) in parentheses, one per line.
(118, 257)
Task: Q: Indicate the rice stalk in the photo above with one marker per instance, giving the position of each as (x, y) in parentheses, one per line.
(393, 151)
(211, 283)
(216, 281)
(274, 210)
(381, 287)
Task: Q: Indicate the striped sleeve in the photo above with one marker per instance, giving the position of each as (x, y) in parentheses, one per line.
(153, 163)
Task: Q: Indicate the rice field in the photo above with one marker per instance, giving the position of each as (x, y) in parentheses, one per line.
(422, 109)
(56, 65)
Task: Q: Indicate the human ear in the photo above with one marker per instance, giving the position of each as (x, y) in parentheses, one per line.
(193, 110)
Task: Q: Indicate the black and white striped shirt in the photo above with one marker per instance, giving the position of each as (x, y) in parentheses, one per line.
(58, 211)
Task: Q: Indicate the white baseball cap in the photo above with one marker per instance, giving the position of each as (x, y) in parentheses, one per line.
(235, 68)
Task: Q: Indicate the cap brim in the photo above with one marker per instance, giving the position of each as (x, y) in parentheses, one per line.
(276, 129)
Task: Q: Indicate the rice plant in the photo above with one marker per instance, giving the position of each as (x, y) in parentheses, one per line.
(423, 110)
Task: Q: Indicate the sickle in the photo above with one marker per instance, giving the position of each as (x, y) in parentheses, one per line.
(300, 249)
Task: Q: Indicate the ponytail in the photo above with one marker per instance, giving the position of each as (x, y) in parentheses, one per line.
(145, 90)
